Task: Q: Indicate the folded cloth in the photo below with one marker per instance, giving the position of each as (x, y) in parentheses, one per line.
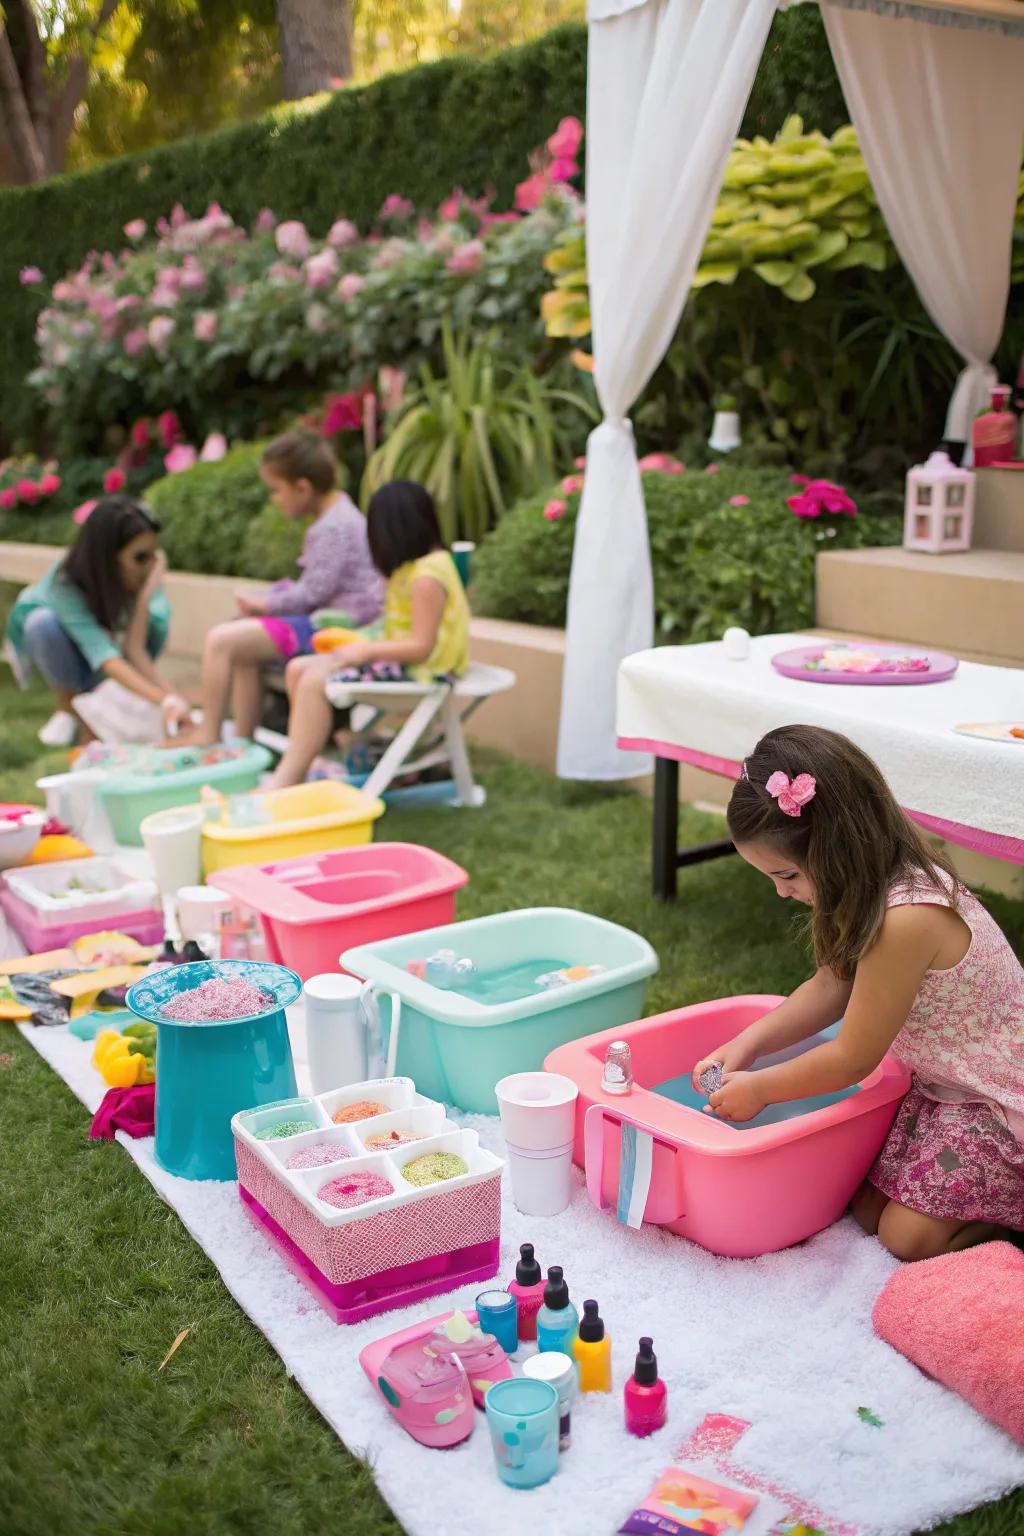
(125, 1109)
(958, 1318)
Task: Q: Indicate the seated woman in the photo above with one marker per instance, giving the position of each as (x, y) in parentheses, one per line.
(99, 612)
(426, 623)
(299, 471)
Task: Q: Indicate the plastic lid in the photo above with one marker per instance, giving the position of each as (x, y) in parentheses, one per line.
(591, 1325)
(527, 1270)
(646, 1369)
(556, 1292)
(551, 1366)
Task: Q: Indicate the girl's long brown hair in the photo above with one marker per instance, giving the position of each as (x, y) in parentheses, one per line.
(852, 840)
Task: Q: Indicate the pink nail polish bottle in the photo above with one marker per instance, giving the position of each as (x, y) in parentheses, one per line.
(528, 1290)
(646, 1397)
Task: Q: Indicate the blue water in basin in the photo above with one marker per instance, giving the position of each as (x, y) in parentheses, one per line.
(510, 983)
(681, 1091)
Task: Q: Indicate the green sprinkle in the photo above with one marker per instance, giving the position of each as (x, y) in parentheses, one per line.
(285, 1128)
(434, 1168)
(867, 1417)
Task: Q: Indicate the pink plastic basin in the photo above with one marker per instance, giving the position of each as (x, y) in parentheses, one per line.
(738, 1192)
(313, 908)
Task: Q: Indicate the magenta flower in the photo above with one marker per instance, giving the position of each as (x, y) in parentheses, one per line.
(159, 332)
(169, 428)
(113, 481)
(135, 229)
(49, 485)
(29, 276)
(556, 509)
(344, 413)
(564, 143)
(820, 496)
(292, 240)
(342, 234)
(135, 341)
(140, 432)
(739, 501)
(82, 511)
(182, 456)
(799, 479)
(563, 170)
(204, 326)
(9, 499)
(350, 285)
(28, 492)
(266, 221)
(214, 449)
(531, 192)
(803, 506)
(466, 258)
(572, 484)
(395, 207)
(321, 269)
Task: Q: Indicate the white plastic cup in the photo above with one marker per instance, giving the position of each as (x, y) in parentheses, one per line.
(173, 841)
(538, 1110)
(541, 1181)
(336, 1026)
(201, 910)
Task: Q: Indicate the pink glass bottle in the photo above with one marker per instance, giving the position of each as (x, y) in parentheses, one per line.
(646, 1397)
(528, 1290)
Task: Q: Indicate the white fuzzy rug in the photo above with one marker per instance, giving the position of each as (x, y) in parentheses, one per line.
(784, 1342)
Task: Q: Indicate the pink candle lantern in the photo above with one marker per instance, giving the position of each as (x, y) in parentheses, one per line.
(939, 508)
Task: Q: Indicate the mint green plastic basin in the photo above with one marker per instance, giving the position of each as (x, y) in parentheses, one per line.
(128, 798)
(456, 1047)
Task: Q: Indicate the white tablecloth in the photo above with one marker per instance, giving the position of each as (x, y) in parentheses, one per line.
(681, 700)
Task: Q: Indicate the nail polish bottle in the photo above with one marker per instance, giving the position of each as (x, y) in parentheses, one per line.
(646, 1398)
(593, 1350)
(528, 1290)
(557, 1320)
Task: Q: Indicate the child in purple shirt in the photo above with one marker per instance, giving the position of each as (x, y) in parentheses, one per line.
(336, 572)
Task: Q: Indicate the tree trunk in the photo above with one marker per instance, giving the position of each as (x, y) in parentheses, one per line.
(315, 38)
(22, 142)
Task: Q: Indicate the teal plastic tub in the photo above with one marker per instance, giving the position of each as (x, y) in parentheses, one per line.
(128, 798)
(456, 1044)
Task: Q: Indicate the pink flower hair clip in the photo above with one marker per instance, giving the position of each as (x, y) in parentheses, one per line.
(791, 794)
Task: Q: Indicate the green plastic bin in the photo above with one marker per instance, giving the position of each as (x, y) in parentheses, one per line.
(128, 798)
(454, 1047)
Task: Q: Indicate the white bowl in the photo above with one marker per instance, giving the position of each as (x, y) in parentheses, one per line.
(18, 838)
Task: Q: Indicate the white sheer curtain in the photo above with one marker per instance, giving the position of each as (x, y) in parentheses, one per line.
(939, 112)
(667, 84)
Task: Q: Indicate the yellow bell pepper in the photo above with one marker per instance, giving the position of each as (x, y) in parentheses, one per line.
(117, 1063)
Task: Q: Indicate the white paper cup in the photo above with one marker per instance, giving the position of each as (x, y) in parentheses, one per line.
(538, 1109)
(541, 1181)
(172, 839)
(336, 1043)
(72, 798)
(201, 910)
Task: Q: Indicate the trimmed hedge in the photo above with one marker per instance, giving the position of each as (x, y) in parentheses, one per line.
(458, 122)
(218, 522)
(715, 564)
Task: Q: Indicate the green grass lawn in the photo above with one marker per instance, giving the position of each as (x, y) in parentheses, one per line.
(97, 1275)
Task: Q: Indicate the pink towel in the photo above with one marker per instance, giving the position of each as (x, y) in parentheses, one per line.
(959, 1318)
(125, 1109)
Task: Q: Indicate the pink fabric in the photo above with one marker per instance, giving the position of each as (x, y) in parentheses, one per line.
(281, 634)
(995, 844)
(957, 1162)
(125, 1109)
(958, 1318)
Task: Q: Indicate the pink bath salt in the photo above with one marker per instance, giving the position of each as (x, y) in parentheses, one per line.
(362, 1109)
(390, 1139)
(354, 1189)
(218, 998)
(318, 1155)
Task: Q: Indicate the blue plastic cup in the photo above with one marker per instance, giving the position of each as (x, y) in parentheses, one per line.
(498, 1313)
(522, 1416)
(205, 1073)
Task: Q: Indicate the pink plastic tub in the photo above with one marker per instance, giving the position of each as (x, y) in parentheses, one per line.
(313, 908)
(738, 1191)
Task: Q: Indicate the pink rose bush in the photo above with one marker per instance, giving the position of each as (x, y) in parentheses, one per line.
(819, 497)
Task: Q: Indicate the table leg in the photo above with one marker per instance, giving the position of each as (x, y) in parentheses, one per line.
(667, 857)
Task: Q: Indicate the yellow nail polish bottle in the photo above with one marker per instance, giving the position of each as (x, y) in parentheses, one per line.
(593, 1349)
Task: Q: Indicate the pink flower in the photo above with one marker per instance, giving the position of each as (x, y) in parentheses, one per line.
(49, 485)
(82, 511)
(321, 269)
(424, 230)
(488, 220)
(466, 258)
(214, 449)
(182, 456)
(135, 341)
(395, 207)
(113, 481)
(563, 170)
(159, 331)
(163, 298)
(581, 462)
(564, 143)
(292, 239)
(193, 278)
(135, 229)
(28, 492)
(266, 220)
(531, 192)
(204, 326)
(739, 501)
(556, 509)
(342, 234)
(344, 413)
(168, 277)
(572, 484)
(128, 301)
(29, 276)
(350, 285)
(282, 272)
(799, 480)
(820, 496)
(390, 253)
(660, 463)
(391, 383)
(8, 498)
(140, 432)
(178, 216)
(711, 469)
(450, 208)
(169, 428)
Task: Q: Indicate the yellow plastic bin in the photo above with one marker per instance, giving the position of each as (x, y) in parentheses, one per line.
(308, 818)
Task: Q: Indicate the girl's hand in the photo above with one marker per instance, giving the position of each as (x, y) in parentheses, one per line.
(355, 654)
(176, 712)
(154, 581)
(739, 1098)
(731, 1057)
(251, 607)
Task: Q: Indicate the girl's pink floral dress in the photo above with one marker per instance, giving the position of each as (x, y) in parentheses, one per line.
(956, 1148)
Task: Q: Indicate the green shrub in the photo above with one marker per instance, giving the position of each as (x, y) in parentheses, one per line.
(715, 564)
(217, 520)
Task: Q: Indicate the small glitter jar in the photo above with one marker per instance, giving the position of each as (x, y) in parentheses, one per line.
(710, 1079)
(356, 1188)
(362, 1109)
(617, 1076)
(434, 1168)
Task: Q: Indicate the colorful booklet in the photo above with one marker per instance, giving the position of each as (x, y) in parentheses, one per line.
(681, 1501)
